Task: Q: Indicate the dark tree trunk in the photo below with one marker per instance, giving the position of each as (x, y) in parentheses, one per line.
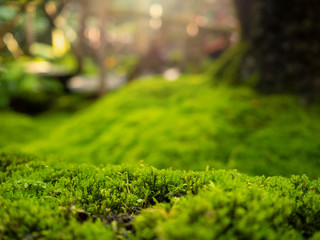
(283, 40)
(244, 11)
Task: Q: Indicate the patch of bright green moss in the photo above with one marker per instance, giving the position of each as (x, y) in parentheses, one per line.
(189, 124)
(16, 128)
(52, 199)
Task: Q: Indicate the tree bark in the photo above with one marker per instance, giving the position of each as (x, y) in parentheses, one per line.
(244, 12)
(283, 44)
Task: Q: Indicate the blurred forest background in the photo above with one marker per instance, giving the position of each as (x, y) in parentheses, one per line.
(165, 83)
(97, 46)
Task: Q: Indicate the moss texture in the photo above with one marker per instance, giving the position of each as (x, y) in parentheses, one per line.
(187, 124)
(49, 199)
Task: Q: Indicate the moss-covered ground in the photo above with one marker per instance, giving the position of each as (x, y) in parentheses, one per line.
(187, 124)
(52, 199)
(97, 174)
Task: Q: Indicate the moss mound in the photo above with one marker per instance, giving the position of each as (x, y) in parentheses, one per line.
(16, 128)
(49, 199)
(190, 124)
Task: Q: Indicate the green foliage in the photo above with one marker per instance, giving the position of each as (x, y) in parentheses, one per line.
(189, 124)
(16, 84)
(52, 199)
(6, 13)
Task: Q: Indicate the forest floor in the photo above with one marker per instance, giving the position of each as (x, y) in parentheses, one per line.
(97, 172)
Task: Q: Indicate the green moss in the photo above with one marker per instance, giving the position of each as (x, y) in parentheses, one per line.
(242, 208)
(22, 129)
(189, 124)
(52, 199)
(31, 219)
(16, 128)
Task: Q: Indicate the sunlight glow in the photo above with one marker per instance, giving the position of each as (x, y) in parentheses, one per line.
(156, 10)
(60, 45)
(192, 29)
(93, 35)
(172, 74)
(51, 8)
(12, 45)
(38, 67)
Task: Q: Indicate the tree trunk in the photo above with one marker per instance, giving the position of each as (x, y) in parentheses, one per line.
(244, 12)
(283, 40)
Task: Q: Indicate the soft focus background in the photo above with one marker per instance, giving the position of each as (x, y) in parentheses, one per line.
(188, 85)
(93, 47)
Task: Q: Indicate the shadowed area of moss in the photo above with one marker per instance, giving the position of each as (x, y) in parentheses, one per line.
(189, 124)
(51, 199)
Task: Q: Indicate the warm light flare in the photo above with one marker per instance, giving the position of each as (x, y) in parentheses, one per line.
(156, 10)
(12, 45)
(192, 29)
(51, 8)
(172, 74)
(38, 67)
(93, 35)
(60, 45)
